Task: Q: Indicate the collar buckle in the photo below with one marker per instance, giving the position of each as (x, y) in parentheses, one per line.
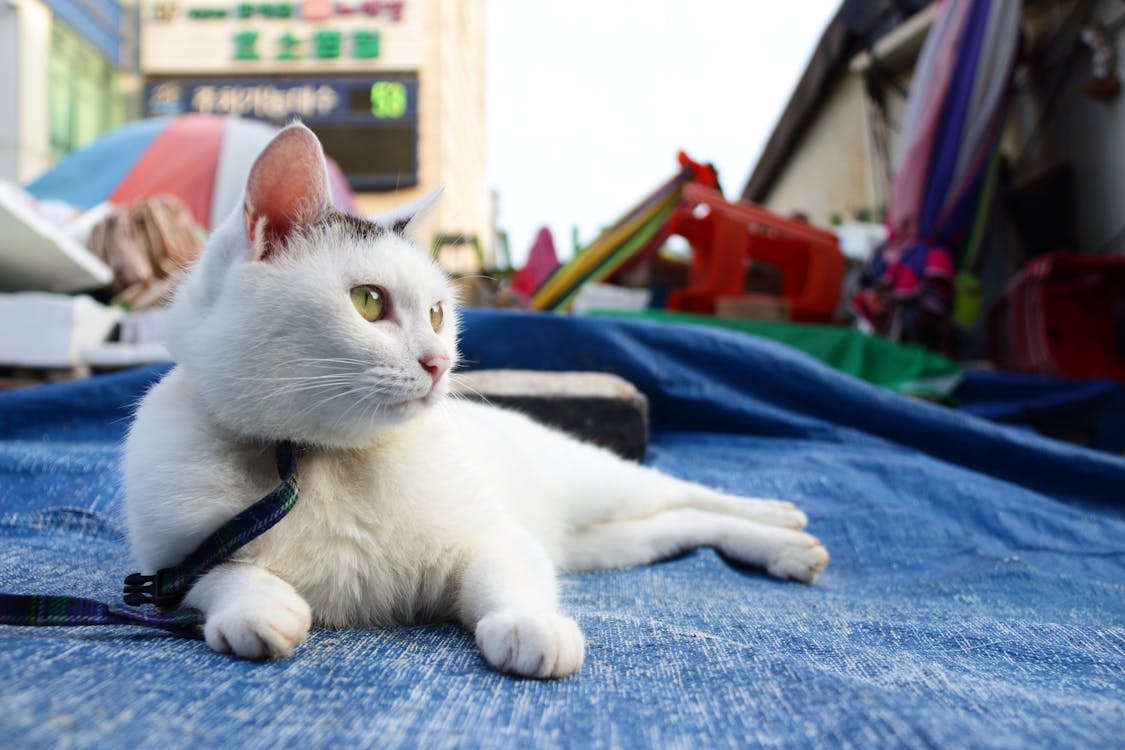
(142, 589)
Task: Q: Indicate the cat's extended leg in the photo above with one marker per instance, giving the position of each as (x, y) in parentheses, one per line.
(679, 495)
(645, 492)
(610, 488)
(784, 553)
(508, 599)
(250, 612)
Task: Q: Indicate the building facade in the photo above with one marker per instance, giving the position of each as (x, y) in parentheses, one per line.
(393, 89)
(834, 151)
(63, 63)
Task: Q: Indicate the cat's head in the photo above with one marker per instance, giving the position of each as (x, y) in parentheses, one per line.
(303, 323)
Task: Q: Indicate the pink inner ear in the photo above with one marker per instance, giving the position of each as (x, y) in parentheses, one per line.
(288, 187)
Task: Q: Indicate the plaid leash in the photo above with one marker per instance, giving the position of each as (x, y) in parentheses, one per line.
(166, 588)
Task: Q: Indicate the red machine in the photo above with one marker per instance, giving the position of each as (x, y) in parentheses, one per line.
(725, 237)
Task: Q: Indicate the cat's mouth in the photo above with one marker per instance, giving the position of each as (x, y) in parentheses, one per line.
(431, 396)
(435, 394)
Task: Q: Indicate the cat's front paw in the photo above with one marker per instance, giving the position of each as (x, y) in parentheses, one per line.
(543, 645)
(800, 559)
(265, 622)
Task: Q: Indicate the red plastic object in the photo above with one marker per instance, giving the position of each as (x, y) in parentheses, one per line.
(1063, 314)
(703, 174)
(725, 236)
(542, 261)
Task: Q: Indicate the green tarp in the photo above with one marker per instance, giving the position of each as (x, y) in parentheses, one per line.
(905, 369)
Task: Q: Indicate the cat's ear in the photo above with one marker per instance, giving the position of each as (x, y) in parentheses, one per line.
(401, 219)
(287, 189)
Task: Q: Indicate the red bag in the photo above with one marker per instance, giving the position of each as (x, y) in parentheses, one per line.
(1063, 314)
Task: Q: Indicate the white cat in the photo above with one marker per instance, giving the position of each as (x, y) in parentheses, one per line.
(300, 323)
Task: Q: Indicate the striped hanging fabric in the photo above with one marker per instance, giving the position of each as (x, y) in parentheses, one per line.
(951, 128)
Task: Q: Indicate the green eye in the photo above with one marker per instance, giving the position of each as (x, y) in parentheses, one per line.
(369, 302)
(436, 316)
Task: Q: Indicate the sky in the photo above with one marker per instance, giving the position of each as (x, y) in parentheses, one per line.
(589, 101)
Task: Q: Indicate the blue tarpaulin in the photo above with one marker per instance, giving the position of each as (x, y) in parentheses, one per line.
(1086, 411)
(976, 594)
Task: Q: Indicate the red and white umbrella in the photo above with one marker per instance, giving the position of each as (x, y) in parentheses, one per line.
(201, 159)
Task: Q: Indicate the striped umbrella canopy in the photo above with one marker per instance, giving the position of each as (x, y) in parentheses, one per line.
(203, 160)
(950, 131)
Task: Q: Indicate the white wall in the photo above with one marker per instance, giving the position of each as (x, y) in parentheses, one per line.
(829, 171)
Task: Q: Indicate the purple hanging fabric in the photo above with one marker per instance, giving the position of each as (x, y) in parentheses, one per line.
(935, 68)
(952, 123)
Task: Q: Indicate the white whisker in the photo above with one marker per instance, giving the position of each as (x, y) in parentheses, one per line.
(466, 384)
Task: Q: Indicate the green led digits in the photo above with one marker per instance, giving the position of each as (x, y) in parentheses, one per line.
(388, 99)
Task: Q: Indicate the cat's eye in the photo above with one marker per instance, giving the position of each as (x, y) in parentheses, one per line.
(369, 301)
(437, 314)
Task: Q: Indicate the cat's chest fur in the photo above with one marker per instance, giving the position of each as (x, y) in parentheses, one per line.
(379, 535)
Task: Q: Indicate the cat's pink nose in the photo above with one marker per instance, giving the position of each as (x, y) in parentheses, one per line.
(435, 364)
